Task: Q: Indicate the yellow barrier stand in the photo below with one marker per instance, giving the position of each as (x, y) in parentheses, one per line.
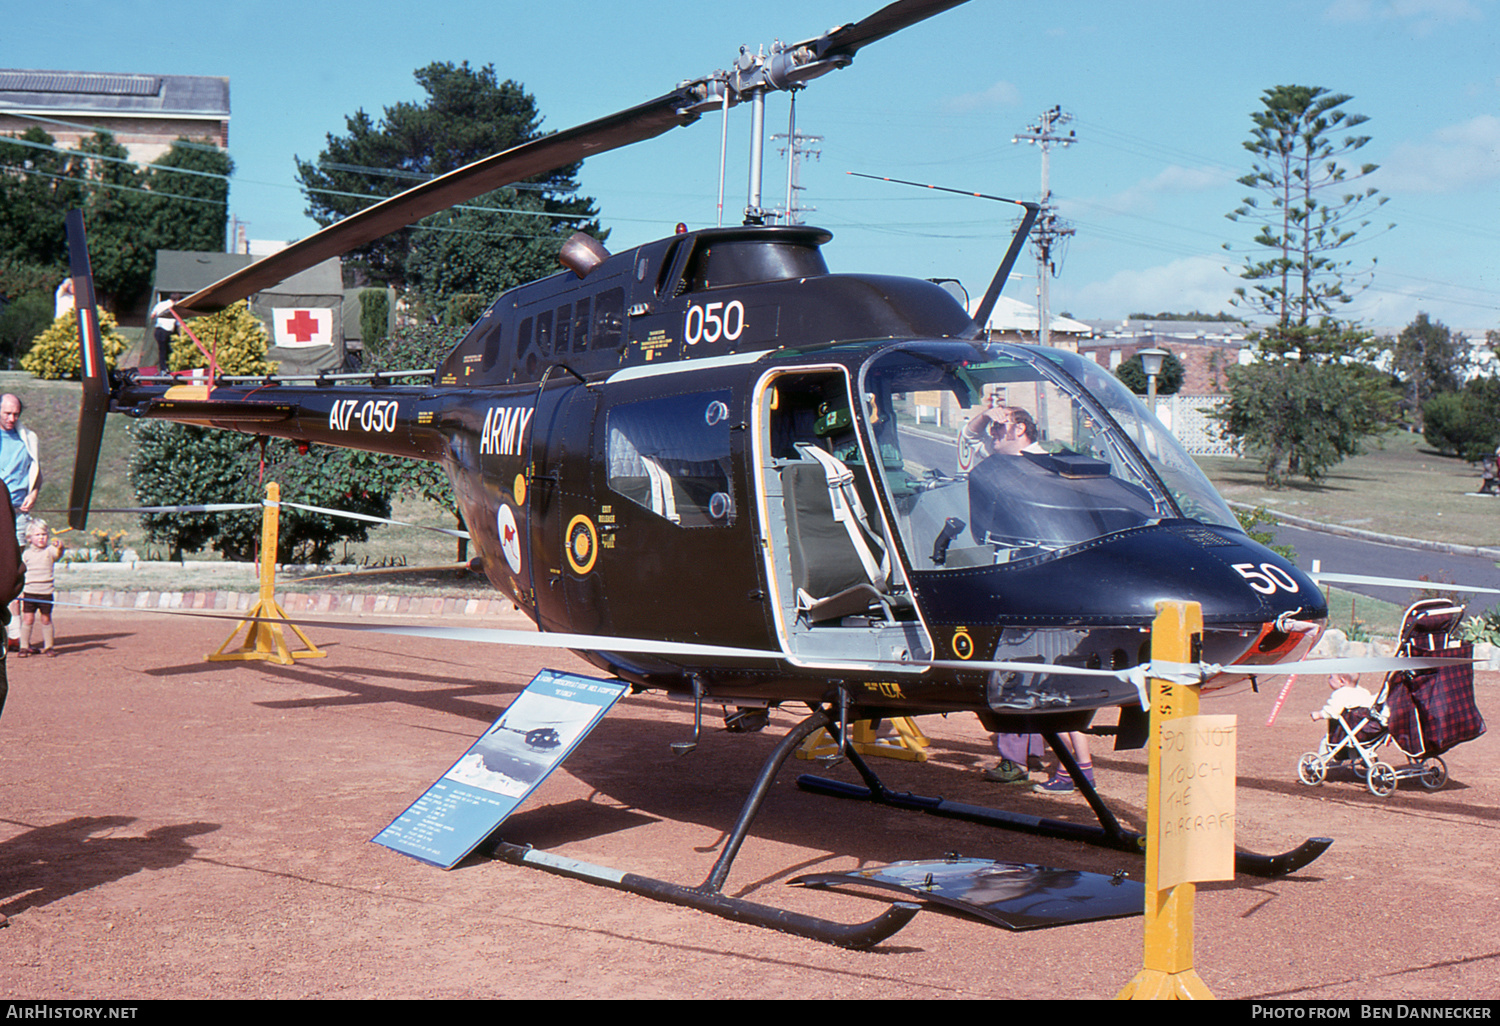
(1168, 971)
(265, 640)
(910, 744)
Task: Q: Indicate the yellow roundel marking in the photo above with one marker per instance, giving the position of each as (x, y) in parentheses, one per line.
(582, 544)
(519, 488)
(963, 644)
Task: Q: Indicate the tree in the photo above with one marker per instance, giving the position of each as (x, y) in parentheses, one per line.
(1311, 215)
(1465, 423)
(1308, 404)
(1429, 359)
(180, 201)
(468, 115)
(1299, 419)
(34, 201)
(187, 206)
(1191, 315)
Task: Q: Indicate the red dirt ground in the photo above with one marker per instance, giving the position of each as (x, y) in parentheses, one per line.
(174, 828)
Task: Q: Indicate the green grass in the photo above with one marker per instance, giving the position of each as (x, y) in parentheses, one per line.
(1400, 487)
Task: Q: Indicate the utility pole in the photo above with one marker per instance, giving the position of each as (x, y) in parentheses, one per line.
(1050, 230)
(794, 149)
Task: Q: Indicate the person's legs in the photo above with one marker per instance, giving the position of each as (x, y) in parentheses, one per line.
(1061, 781)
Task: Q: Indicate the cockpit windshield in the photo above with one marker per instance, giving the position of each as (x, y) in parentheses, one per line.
(997, 453)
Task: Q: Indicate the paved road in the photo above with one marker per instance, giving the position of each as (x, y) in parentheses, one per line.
(1343, 555)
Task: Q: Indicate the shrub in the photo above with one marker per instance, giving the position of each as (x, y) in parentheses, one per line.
(1466, 423)
(21, 320)
(234, 335)
(179, 464)
(374, 317)
(464, 308)
(54, 354)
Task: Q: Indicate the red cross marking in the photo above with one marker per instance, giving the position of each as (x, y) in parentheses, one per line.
(303, 326)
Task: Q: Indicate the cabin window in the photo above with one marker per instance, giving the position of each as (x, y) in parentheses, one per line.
(663, 286)
(581, 326)
(523, 339)
(544, 331)
(609, 319)
(489, 340)
(671, 456)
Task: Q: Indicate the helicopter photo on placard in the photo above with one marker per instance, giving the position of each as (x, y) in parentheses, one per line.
(524, 745)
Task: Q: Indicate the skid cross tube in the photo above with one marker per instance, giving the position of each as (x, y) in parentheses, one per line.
(707, 896)
(1108, 834)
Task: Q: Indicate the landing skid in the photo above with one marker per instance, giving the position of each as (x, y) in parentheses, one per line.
(708, 896)
(1108, 834)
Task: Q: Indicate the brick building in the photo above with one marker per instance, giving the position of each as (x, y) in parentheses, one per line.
(145, 113)
(1206, 348)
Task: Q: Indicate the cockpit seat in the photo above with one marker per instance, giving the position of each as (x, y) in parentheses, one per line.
(839, 566)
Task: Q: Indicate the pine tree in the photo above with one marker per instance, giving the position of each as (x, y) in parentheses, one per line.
(1313, 209)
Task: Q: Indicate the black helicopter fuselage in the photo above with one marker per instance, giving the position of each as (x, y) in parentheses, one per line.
(710, 439)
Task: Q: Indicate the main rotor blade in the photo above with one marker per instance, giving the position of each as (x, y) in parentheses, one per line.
(680, 107)
(889, 19)
(513, 165)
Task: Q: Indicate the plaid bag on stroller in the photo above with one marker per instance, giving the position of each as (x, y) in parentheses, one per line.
(1422, 713)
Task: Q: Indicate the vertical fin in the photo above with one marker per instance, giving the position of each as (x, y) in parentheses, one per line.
(95, 404)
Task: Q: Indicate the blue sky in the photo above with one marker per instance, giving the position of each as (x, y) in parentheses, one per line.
(1161, 94)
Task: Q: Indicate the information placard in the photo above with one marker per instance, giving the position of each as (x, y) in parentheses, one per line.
(537, 731)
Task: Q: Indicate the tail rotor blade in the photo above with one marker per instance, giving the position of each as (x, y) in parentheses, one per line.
(95, 404)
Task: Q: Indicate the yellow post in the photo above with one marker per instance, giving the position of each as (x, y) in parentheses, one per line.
(1168, 967)
(265, 640)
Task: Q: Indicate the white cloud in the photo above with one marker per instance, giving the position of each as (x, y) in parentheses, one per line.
(1452, 159)
(1001, 94)
(1194, 283)
(1424, 16)
(1171, 181)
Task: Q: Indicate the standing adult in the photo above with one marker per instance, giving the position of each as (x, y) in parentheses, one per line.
(12, 579)
(21, 474)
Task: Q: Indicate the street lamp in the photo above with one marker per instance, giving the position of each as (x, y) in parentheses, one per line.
(1151, 361)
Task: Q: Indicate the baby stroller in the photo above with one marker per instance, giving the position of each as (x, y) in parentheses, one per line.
(1422, 713)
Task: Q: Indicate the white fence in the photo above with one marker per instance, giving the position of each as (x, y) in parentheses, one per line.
(1187, 416)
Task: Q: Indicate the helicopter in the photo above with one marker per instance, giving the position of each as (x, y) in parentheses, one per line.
(704, 464)
(541, 739)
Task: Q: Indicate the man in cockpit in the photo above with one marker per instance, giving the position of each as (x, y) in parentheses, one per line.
(1005, 430)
